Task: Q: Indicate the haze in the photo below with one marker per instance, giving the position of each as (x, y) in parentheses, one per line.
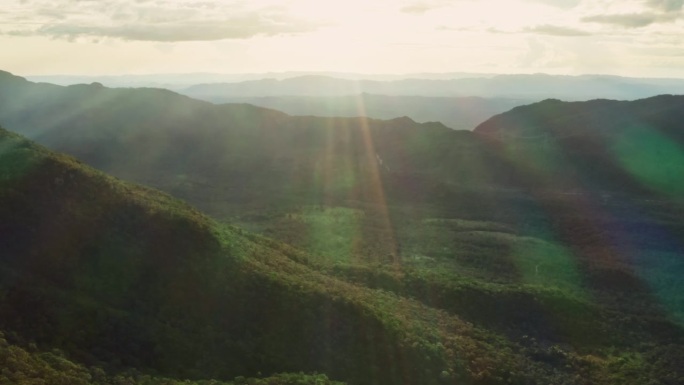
(640, 38)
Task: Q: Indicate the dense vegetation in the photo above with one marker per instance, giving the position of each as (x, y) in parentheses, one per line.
(545, 247)
(22, 366)
(120, 277)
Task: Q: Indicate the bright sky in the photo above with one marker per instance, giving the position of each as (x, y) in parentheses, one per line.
(98, 37)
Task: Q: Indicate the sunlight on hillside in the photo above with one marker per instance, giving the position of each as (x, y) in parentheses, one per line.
(654, 159)
(606, 236)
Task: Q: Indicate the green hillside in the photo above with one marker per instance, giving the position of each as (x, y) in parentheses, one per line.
(615, 146)
(120, 277)
(389, 251)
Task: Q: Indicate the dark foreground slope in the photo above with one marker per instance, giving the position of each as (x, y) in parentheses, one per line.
(124, 276)
(121, 277)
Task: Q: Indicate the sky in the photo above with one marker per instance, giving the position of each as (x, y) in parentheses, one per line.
(643, 38)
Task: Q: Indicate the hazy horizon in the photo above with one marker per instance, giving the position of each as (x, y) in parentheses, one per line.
(637, 38)
(381, 76)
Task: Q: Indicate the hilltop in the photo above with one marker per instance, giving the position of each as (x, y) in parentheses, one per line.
(615, 146)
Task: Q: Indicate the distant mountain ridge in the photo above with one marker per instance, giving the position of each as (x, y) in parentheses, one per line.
(114, 128)
(460, 101)
(194, 140)
(460, 113)
(536, 86)
(599, 115)
(539, 86)
(184, 80)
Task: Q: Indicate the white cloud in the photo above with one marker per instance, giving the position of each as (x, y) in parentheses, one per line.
(143, 20)
(555, 30)
(666, 5)
(565, 4)
(197, 30)
(632, 20)
(420, 7)
(635, 13)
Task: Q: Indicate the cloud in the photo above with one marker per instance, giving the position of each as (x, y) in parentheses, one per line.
(632, 20)
(554, 30)
(198, 30)
(654, 12)
(420, 7)
(162, 21)
(565, 4)
(666, 5)
(457, 29)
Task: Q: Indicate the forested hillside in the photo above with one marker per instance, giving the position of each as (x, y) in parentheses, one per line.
(544, 247)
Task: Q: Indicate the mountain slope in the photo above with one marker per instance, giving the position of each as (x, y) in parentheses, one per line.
(181, 145)
(633, 146)
(513, 237)
(122, 276)
(140, 277)
(384, 182)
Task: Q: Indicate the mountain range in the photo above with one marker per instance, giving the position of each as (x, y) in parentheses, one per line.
(183, 80)
(542, 247)
(458, 100)
(535, 86)
(460, 113)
